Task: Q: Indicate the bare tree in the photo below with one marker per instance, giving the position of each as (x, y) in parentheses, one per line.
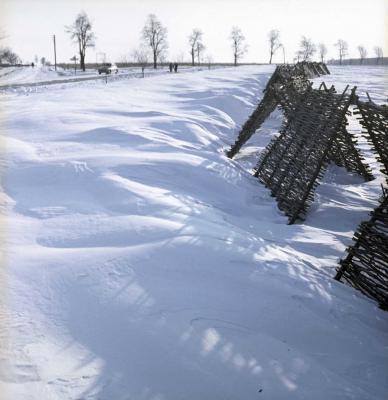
(379, 53)
(194, 38)
(155, 36)
(306, 48)
(81, 33)
(363, 53)
(274, 42)
(43, 61)
(342, 46)
(3, 54)
(322, 51)
(140, 56)
(238, 45)
(13, 58)
(7, 55)
(209, 60)
(199, 49)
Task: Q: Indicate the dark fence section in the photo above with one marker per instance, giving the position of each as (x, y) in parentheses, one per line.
(294, 162)
(366, 265)
(374, 119)
(285, 75)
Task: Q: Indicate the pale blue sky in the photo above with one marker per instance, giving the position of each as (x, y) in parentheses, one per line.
(30, 24)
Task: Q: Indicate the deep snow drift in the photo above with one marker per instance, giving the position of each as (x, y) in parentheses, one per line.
(141, 263)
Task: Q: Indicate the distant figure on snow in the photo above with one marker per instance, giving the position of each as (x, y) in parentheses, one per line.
(170, 66)
(176, 67)
(32, 65)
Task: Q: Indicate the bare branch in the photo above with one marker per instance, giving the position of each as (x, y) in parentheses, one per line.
(155, 36)
(195, 42)
(306, 49)
(322, 51)
(238, 46)
(363, 53)
(342, 49)
(81, 33)
(274, 42)
(379, 53)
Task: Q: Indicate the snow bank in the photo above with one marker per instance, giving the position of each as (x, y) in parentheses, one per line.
(19, 75)
(144, 264)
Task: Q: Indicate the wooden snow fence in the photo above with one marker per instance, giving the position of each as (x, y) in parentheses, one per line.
(284, 75)
(343, 152)
(374, 119)
(313, 134)
(294, 162)
(366, 265)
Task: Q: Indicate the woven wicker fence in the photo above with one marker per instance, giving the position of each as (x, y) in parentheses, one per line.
(366, 265)
(294, 162)
(290, 75)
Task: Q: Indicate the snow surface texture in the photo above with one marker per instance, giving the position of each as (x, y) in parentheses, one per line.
(142, 263)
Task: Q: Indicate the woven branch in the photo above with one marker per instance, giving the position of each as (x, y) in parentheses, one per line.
(366, 265)
(374, 119)
(293, 163)
(284, 76)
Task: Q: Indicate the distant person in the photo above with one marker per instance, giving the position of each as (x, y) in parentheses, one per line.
(176, 67)
(170, 67)
(32, 65)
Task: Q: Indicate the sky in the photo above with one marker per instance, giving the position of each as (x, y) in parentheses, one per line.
(29, 26)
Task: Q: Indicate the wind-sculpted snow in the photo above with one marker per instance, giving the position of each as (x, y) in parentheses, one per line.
(142, 263)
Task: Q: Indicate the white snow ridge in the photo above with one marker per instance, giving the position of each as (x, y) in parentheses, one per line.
(140, 263)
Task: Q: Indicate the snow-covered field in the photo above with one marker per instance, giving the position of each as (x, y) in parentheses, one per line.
(140, 263)
(371, 79)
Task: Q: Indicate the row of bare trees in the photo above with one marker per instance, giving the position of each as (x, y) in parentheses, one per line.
(307, 49)
(364, 52)
(154, 38)
(154, 41)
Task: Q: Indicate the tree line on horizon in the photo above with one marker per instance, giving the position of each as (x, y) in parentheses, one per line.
(154, 45)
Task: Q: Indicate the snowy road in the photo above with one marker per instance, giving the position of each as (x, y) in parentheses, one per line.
(140, 263)
(28, 77)
(71, 80)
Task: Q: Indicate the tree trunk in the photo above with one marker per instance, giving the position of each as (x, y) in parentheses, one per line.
(192, 57)
(270, 59)
(235, 60)
(155, 59)
(82, 61)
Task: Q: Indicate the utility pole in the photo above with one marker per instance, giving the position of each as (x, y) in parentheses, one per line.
(55, 53)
